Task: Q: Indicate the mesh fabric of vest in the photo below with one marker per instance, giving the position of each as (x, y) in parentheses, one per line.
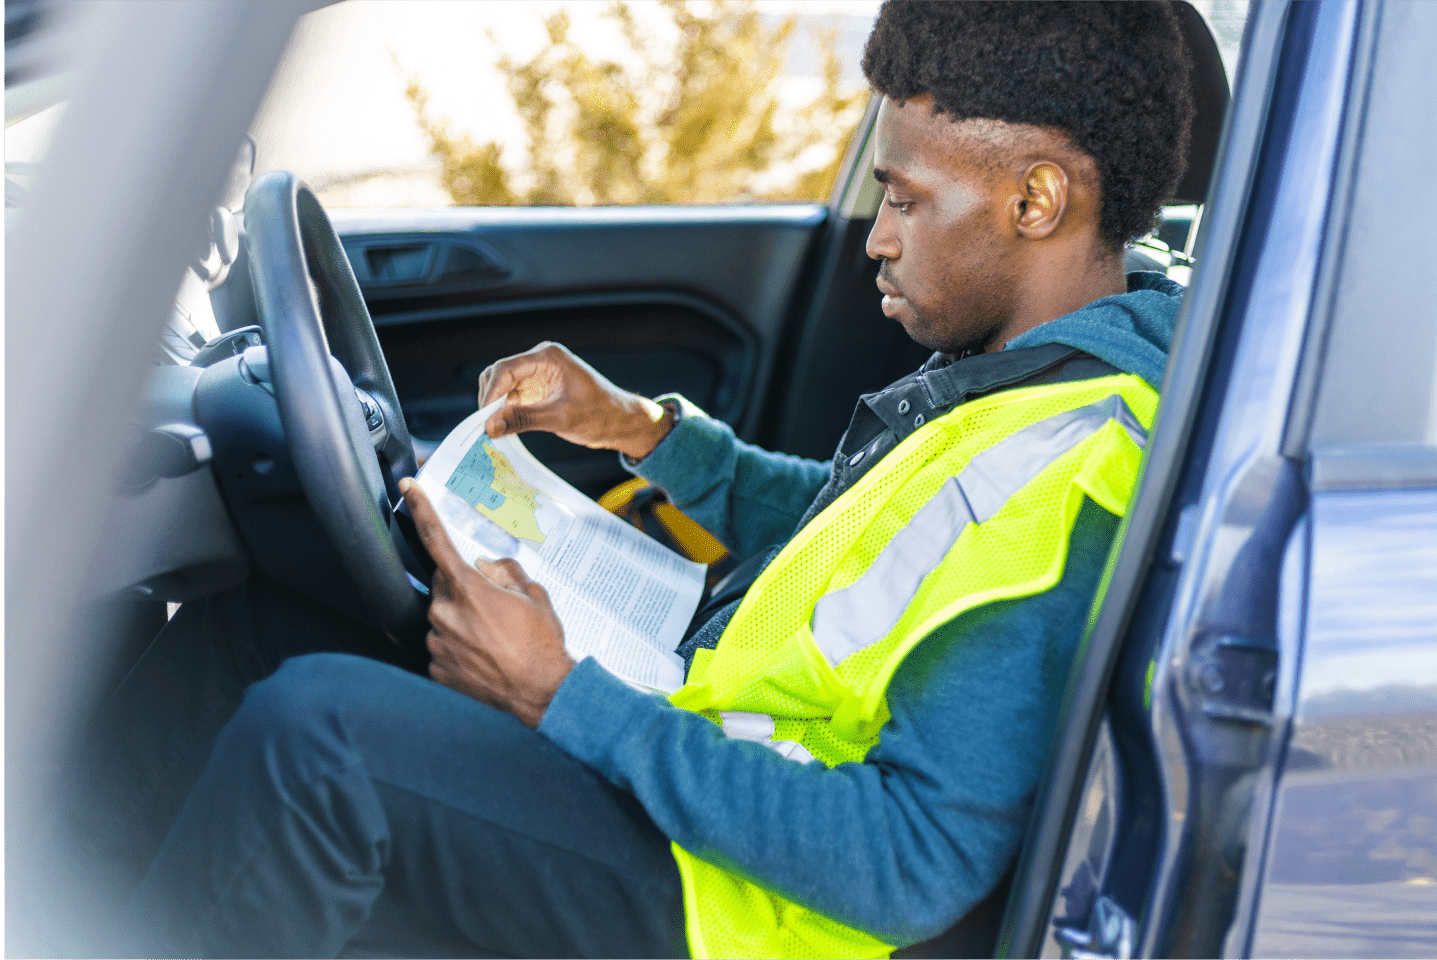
(767, 661)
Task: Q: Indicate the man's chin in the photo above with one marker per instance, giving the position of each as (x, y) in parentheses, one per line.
(900, 310)
(937, 337)
(917, 329)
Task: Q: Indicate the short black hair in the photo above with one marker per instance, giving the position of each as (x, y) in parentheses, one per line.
(1112, 76)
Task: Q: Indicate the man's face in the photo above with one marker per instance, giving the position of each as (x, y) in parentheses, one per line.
(944, 231)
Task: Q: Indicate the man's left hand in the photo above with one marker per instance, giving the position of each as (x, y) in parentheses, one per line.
(493, 632)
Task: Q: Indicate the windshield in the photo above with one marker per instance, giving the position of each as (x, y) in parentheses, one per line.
(26, 142)
(35, 85)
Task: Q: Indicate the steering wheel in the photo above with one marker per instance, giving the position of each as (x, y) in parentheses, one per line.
(341, 416)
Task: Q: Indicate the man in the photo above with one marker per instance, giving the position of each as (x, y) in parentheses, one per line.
(849, 765)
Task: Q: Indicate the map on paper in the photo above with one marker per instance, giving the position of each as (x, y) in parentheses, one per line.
(488, 482)
(623, 598)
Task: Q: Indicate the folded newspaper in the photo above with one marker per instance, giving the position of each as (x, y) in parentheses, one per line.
(622, 597)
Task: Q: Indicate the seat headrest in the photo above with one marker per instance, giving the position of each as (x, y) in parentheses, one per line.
(1210, 98)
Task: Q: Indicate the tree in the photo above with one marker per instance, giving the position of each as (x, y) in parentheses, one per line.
(695, 117)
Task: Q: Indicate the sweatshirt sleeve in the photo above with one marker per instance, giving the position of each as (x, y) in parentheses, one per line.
(904, 843)
(747, 497)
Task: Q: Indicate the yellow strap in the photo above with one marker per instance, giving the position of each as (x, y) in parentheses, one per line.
(693, 541)
(619, 498)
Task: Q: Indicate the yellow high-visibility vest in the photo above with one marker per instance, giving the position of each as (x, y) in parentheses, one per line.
(975, 506)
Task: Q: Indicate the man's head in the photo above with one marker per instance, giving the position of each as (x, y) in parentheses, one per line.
(1021, 145)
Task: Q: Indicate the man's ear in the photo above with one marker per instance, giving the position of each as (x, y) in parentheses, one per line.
(1042, 200)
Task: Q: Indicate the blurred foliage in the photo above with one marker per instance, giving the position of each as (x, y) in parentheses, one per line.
(691, 117)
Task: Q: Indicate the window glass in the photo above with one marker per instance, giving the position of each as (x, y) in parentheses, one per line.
(1171, 246)
(26, 142)
(1226, 19)
(1379, 379)
(408, 103)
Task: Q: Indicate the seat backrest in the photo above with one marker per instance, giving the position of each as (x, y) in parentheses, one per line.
(1210, 98)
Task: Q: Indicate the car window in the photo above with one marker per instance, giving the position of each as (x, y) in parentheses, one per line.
(1379, 377)
(26, 142)
(404, 103)
(1226, 19)
(37, 49)
(1172, 245)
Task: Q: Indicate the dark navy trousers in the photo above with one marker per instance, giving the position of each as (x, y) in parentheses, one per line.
(351, 806)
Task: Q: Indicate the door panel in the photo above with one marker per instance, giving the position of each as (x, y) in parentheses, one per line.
(650, 344)
(1352, 858)
(673, 299)
(1348, 831)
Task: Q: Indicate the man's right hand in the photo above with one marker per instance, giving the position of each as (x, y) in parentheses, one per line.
(548, 388)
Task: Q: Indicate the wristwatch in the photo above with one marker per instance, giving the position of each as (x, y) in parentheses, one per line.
(673, 416)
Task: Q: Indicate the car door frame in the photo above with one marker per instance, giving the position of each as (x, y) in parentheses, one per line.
(1174, 675)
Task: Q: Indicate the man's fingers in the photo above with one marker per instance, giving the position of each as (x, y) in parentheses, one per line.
(431, 530)
(505, 573)
(536, 592)
(434, 642)
(499, 379)
(451, 566)
(446, 614)
(496, 381)
(439, 588)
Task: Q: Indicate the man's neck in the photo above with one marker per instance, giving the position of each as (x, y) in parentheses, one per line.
(1057, 286)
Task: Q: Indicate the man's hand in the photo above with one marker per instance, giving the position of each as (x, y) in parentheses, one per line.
(548, 388)
(493, 632)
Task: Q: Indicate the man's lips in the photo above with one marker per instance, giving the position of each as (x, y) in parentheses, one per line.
(892, 299)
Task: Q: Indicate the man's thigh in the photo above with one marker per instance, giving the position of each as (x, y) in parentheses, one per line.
(501, 841)
(489, 839)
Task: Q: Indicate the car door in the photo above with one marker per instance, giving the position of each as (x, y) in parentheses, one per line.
(1248, 766)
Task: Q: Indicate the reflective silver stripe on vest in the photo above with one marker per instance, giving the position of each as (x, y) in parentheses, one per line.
(862, 613)
(758, 728)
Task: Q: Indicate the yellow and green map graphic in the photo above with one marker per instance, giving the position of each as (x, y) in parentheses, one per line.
(489, 483)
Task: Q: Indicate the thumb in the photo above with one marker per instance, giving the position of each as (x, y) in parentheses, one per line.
(519, 418)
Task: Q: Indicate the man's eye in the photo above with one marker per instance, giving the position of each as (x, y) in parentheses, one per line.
(900, 205)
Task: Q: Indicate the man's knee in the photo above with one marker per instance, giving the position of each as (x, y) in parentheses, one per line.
(303, 686)
(297, 716)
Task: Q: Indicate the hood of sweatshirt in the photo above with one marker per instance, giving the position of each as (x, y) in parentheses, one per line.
(1133, 331)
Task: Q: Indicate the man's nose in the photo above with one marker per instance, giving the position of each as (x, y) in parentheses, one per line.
(882, 244)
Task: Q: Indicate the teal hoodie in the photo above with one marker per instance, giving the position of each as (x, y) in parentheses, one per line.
(1132, 331)
(905, 843)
